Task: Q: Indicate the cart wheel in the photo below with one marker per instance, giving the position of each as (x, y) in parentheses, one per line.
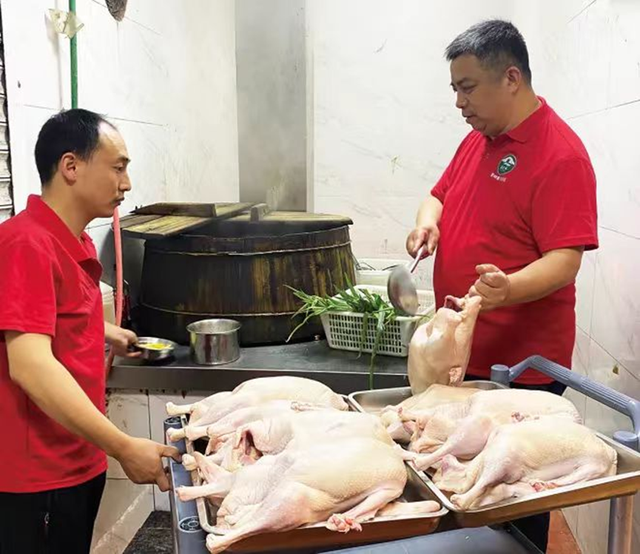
(190, 524)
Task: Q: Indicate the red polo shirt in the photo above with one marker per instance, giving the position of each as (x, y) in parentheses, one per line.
(506, 202)
(49, 284)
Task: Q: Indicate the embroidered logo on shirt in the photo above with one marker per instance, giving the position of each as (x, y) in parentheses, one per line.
(507, 164)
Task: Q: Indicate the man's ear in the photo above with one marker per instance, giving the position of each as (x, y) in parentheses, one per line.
(514, 78)
(68, 167)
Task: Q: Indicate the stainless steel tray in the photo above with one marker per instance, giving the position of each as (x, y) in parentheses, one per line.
(626, 482)
(373, 401)
(317, 535)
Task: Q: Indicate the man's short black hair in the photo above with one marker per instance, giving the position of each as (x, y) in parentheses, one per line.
(496, 43)
(76, 131)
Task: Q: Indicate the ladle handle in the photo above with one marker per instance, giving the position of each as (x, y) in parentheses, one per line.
(417, 259)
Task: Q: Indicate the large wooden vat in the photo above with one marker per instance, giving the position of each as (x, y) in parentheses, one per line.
(239, 269)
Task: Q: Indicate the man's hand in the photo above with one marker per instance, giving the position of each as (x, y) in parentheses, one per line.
(493, 286)
(33, 367)
(141, 460)
(556, 269)
(120, 339)
(428, 234)
(426, 231)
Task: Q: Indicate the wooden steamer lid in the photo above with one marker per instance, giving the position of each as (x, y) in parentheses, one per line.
(236, 264)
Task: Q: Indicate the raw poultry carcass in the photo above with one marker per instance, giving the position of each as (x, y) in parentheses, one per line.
(258, 391)
(218, 481)
(225, 428)
(436, 395)
(432, 431)
(272, 436)
(226, 456)
(467, 426)
(523, 458)
(394, 509)
(197, 409)
(439, 350)
(285, 387)
(228, 425)
(343, 482)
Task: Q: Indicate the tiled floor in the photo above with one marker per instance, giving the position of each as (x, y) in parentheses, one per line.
(561, 539)
(155, 536)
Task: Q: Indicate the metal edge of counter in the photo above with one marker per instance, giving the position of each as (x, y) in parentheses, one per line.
(219, 378)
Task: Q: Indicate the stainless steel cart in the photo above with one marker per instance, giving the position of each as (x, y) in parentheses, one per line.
(191, 520)
(619, 488)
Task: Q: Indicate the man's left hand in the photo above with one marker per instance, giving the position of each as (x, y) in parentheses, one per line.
(492, 286)
(120, 339)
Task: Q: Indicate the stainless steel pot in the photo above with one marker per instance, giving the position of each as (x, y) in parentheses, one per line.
(214, 341)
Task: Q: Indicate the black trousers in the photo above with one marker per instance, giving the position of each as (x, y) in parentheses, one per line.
(58, 521)
(535, 528)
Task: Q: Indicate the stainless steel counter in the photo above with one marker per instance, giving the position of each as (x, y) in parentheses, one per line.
(343, 371)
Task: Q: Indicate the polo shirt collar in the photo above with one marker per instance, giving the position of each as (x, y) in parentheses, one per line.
(523, 132)
(50, 220)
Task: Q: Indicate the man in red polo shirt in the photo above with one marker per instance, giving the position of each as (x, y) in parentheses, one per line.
(52, 335)
(513, 212)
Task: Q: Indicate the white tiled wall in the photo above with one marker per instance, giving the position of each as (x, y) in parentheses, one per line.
(588, 67)
(165, 76)
(385, 124)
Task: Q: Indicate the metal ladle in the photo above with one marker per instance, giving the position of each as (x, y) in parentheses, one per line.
(401, 289)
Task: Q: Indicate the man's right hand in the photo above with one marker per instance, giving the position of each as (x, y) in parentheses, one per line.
(426, 234)
(141, 460)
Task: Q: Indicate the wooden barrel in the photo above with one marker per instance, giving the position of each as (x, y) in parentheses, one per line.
(211, 273)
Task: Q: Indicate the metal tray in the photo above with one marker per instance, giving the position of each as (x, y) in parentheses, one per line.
(373, 401)
(626, 482)
(317, 535)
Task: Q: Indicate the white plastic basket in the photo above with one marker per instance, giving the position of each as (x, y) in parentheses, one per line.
(376, 271)
(344, 329)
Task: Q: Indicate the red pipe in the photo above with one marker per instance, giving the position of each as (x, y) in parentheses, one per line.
(119, 279)
(119, 271)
